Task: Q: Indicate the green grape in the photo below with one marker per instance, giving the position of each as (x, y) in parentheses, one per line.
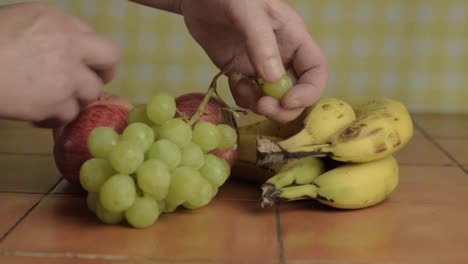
(167, 152)
(192, 156)
(206, 135)
(177, 131)
(101, 140)
(126, 157)
(91, 201)
(170, 207)
(228, 136)
(156, 129)
(279, 88)
(108, 217)
(94, 172)
(161, 205)
(139, 134)
(160, 108)
(215, 170)
(153, 177)
(138, 115)
(204, 197)
(143, 213)
(185, 184)
(215, 190)
(171, 202)
(118, 193)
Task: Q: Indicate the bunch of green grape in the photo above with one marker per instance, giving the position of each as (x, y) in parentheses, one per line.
(158, 163)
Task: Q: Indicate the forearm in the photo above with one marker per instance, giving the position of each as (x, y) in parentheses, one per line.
(167, 5)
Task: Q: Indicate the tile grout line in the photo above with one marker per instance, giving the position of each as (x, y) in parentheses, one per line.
(279, 237)
(137, 259)
(4, 235)
(343, 262)
(439, 146)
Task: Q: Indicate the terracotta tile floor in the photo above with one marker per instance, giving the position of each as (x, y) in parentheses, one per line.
(45, 220)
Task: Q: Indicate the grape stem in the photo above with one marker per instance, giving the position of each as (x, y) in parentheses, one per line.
(182, 114)
(211, 91)
(234, 111)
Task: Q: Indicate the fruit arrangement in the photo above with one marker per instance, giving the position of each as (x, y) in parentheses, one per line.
(136, 163)
(337, 153)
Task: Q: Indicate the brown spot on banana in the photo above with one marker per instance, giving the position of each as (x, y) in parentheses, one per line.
(350, 132)
(326, 106)
(374, 131)
(394, 139)
(380, 148)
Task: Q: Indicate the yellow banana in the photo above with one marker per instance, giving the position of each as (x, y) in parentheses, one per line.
(327, 116)
(267, 127)
(314, 126)
(382, 127)
(297, 171)
(349, 186)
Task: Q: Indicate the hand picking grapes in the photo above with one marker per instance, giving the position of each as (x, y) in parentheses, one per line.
(279, 69)
(270, 44)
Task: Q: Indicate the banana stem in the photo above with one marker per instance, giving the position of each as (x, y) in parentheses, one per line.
(302, 138)
(300, 192)
(273, 184)
(288, 194)
(321, 150)
(282, 179)
(269, 152)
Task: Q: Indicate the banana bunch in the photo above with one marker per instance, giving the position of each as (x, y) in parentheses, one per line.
(380, 128)
(337, 153)
(348, 186)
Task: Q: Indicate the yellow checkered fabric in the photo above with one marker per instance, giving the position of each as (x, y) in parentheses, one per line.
(413, 51)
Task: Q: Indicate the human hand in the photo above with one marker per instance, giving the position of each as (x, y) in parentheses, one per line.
(51, 64)
(264, 37)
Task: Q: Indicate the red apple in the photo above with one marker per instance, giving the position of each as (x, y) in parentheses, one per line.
(70, 142)
(216, 113)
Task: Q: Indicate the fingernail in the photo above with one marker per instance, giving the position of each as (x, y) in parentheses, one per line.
(272, 69)
(293, 102)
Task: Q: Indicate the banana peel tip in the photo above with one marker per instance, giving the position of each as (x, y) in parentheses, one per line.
(268, 152)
